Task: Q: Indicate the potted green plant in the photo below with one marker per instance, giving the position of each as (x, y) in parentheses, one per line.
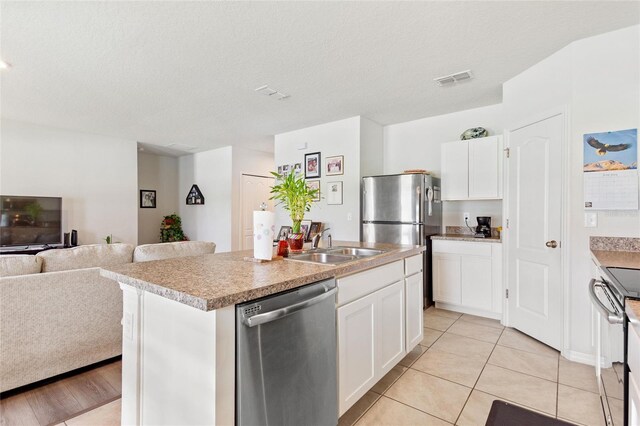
(171, 229)
(296, 197)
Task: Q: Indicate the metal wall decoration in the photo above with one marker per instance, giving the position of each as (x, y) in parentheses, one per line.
(195, 196)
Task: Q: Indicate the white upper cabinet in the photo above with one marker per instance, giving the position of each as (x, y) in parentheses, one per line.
(472, 169)
(455, 170)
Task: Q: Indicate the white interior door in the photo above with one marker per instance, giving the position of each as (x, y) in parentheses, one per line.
(255, 191)
(535, 227)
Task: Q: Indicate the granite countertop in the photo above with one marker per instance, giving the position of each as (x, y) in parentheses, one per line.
(617, 259)
(633, 311)
(466, 237)
(213, 281)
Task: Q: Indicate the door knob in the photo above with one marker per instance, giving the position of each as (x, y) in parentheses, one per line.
(552, 244)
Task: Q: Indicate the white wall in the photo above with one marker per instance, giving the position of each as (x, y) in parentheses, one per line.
(336, 138)
(218, 174)
(211, 171)
(416, 145)
(599, 80)
(605, 95)
(246, 161)
(96, 177)
(158, 173)
(371, 148)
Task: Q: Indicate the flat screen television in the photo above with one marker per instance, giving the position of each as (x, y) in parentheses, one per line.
(30, 221)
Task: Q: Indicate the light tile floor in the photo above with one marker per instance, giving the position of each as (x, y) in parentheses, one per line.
(465, 362)
(462, 365)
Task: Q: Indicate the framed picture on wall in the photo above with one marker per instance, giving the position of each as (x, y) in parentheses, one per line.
(314, 184)
(334, 193)
(335, 165)
(312, 165)
(147, 199)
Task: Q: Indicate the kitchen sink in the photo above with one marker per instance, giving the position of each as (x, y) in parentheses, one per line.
(334, 255)
(355, 251)
(326, 258)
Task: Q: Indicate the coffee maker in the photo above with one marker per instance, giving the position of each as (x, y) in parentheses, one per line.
(483, 230)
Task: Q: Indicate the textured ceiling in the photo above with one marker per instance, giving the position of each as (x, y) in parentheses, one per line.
(185, 72)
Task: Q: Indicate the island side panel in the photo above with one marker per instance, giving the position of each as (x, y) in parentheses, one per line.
(180, 363)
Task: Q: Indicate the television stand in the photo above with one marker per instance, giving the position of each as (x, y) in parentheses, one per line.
(28, 249)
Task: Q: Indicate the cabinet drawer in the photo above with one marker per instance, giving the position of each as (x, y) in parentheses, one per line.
(413, 265)
(462, 247)
(360, 284)
(634, 349)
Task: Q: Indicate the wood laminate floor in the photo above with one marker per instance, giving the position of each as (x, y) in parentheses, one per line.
(66, 398)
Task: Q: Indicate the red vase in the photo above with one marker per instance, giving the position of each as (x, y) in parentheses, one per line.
(296, 242)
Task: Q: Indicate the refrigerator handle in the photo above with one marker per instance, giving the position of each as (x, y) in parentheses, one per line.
(429, 201)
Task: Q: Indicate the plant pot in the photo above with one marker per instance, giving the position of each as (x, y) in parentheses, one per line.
(296, 242)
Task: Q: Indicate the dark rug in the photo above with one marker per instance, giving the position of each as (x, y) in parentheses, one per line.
(505, 414)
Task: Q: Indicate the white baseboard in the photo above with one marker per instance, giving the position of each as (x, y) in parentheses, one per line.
(467, 310)
(585, 358)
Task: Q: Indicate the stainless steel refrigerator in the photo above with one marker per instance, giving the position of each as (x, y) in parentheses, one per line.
(403, 209)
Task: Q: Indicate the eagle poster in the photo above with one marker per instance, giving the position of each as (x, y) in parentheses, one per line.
(611, 170)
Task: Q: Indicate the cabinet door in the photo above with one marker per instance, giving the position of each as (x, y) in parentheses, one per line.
(391, 328)
(634, 400)
(484, 167)
(477, 288)
(455, 170)
(357, 323)
(413, 304)
(446, 278)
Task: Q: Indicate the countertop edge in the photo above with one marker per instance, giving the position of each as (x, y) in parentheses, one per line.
(243, 296)
(463, 237)
(633, 312)
(616, 259)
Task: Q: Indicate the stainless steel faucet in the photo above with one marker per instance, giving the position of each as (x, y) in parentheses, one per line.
(316, 239)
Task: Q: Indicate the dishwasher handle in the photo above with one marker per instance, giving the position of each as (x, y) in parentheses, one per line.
(287, 310)
(611, 317)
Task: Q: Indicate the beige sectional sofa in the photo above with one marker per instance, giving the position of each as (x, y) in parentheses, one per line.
(58, 314)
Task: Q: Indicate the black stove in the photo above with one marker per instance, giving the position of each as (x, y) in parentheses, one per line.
(624, 282)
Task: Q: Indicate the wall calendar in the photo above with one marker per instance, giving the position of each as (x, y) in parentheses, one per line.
(611, 170)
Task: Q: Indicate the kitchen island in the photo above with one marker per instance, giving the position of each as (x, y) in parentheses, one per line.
(179, 325)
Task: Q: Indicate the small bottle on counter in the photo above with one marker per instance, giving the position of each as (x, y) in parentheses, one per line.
(283, 247)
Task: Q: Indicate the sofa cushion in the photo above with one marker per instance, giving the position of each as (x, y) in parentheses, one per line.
(161, 251)
(19, 264)
(89, 256)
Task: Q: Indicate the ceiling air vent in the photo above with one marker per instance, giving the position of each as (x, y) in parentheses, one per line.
(271, 92)
(454, 78)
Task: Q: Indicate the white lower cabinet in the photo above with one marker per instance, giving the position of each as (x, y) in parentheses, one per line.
(634, 401)
(413, 293)
(476, 282)
(370, 341)
(357, 357)
(633, 361)
(467, 277)
(374, 328)
(391, 327)
(446, 270)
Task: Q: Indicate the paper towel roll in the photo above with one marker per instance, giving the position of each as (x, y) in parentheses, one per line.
(263, 231)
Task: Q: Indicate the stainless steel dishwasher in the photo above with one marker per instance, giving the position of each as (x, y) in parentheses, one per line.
(286, 358)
